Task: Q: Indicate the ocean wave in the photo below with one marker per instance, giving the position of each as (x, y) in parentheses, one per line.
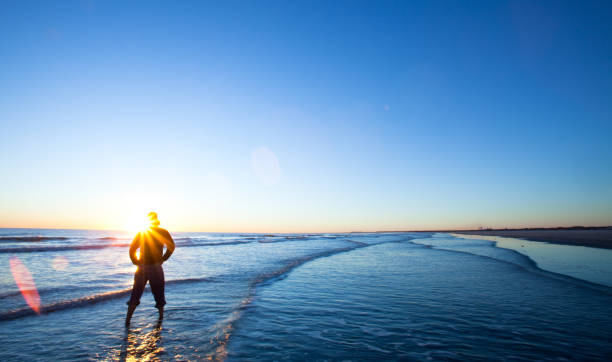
(85, 301)
(237, 242)
(278, 274)
(43, 291)
(187, 238)
(185, 244)
(280, 239)
(258, 280)
(12, 293)
(224, 330)
(65, 304)
(357, 242)
(271, 241)
(112, 238)
(30, 239)
(60, 248)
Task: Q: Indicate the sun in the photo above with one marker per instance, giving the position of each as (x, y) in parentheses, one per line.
(137, 223)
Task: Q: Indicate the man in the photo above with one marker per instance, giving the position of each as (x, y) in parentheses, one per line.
(151, 244)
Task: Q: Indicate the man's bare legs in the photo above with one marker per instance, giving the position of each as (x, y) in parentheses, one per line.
(130, 311)
(161, 314)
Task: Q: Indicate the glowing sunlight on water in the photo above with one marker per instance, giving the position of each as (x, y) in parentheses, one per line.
(139, 346)
(59, 263)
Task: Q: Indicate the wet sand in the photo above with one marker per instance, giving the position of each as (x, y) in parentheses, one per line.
(596, 238)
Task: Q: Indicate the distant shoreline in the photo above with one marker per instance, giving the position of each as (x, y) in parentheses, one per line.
(596, 237)
(591, 236)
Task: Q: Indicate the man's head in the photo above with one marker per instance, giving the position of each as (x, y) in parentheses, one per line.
(153, 218)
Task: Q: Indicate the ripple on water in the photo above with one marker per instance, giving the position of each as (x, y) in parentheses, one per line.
(408, 301)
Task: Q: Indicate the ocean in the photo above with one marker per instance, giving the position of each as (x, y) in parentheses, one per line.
(355, 296)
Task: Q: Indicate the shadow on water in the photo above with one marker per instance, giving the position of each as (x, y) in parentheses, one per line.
(137, 346)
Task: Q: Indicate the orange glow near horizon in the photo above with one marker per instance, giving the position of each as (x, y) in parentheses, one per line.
(181, 218)
(127, 211)
(25, 283)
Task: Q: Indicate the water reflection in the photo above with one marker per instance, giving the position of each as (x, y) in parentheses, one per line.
(141, 347)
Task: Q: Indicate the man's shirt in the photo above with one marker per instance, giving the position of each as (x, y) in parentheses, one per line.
(151, 244)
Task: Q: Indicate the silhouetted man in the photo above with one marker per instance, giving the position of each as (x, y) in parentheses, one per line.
(151, 244)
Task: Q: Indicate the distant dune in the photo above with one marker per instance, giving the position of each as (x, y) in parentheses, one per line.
(598, 237)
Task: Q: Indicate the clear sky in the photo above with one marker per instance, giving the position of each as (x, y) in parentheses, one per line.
(309, 116)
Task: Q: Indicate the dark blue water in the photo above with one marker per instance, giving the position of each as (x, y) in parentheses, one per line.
(298, 297)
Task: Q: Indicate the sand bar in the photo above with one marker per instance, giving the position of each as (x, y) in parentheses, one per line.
(596, 237)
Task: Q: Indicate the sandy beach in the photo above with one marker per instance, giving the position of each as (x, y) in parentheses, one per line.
(593, 237)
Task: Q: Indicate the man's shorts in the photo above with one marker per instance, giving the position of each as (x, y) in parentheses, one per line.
(154, 274)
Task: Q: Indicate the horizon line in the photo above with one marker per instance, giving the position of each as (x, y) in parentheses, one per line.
(345, 232)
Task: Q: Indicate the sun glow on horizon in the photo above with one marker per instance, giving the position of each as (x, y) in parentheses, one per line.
(131, 208)
(136, 224)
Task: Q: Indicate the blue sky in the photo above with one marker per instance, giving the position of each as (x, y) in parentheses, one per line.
(306, 116)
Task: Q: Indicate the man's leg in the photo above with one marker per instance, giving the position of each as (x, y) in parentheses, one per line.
(130, 311)
(139, 284)
(157, 282)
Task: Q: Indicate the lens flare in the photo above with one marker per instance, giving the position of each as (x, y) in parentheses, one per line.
(25, 283)
(265, 165)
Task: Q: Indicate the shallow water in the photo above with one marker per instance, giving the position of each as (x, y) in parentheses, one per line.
(288, 297)
(590, 264)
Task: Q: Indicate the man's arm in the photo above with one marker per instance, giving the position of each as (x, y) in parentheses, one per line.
(167, 239)
(133, 247)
